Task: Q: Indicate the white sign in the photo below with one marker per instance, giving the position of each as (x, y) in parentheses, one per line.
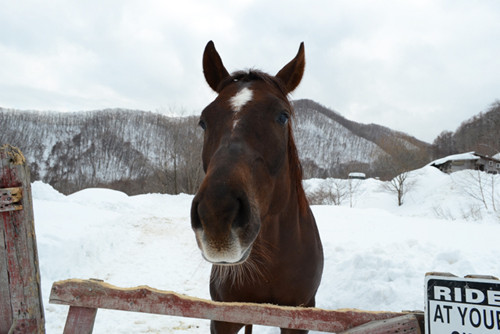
(462, 305)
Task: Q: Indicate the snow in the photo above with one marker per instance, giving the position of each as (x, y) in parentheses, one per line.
(376, 253)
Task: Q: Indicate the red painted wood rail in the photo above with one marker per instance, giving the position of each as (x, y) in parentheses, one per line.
(86, 296)
(21, 309)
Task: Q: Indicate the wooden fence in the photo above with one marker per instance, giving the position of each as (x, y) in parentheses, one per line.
(21, 309)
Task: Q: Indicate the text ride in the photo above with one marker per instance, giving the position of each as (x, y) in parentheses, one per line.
(462, 306)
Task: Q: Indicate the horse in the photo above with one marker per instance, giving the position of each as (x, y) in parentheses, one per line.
(250, 216)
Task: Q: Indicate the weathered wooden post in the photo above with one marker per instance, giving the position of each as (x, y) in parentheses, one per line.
(21, 308)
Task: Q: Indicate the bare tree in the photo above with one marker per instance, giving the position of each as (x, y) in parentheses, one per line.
(400, 160)
(338, 191)
(330, 192)
(335, 192)
(443, 145)
(480, 186)
(400, 185)
(480, 133)
(190, 166)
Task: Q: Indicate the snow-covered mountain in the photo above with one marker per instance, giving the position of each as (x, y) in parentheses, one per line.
(139, 152)
(325, 142)
(331, 145)
(129, 150)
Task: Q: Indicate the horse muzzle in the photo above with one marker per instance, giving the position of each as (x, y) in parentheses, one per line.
(225, 226)
(229, 253)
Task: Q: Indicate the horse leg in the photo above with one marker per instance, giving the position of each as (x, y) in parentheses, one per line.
(219, 327)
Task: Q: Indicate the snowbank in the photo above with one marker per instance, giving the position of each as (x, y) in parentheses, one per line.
(376, 253)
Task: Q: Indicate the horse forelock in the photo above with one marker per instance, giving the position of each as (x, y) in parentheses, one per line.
(246, 77)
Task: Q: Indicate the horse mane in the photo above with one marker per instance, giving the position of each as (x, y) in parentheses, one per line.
(293, 156)
(296, 172)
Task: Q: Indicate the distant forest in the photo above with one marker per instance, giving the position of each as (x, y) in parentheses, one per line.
(481, 134)
(131, 151)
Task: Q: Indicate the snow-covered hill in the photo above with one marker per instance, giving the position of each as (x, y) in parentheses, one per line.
(331, 145)
(129, 150)
(327, 143)
(136, 151)
(376, 253)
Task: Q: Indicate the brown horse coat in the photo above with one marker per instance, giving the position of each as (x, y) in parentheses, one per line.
(250, 216)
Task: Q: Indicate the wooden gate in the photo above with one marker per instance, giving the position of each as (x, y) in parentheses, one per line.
(21, 309)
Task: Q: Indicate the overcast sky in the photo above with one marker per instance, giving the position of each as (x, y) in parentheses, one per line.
(415, 66)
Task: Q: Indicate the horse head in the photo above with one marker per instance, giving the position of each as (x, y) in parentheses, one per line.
(249, 157)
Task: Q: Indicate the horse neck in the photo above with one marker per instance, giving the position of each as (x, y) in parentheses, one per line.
(295, 212)
(288, 221)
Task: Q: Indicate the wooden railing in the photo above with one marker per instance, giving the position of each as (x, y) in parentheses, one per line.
(85, 297)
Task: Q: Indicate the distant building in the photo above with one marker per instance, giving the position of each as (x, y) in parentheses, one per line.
(470, 160)
(355, 175)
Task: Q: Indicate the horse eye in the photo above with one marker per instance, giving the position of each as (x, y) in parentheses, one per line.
(202, 124)
(283, 118)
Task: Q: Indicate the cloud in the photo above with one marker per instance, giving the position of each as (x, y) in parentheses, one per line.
(417, 66)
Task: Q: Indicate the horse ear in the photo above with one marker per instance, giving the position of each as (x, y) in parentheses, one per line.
(292, 73)
(213, 68)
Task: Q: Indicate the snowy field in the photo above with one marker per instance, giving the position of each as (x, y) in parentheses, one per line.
(376, 253)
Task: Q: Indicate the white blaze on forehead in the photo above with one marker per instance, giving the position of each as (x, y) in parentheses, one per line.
(241, 98)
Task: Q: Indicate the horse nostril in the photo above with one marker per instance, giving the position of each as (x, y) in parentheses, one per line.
(195, 216)
(242, 214)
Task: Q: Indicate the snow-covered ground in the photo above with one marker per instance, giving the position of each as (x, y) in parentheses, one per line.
(376, 252)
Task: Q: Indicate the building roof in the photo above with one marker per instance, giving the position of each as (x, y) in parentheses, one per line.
(464, 156)
(455, 157)
(357, 174)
